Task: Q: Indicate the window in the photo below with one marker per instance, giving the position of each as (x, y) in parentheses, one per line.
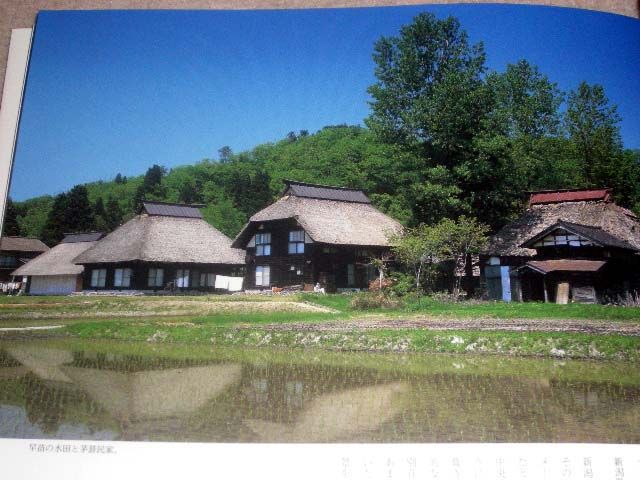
(207, 279)
(156, 277)
(296, 242)
(99, 277)
(182, 278)
(122, 277)
(351, 275)
(195, 279)
(7, 261)
(263, 276)
(263, 244)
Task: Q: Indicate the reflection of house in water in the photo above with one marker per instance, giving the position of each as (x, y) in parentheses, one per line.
(154, 394)
(106, 395)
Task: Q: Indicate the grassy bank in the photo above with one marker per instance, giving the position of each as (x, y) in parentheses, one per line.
(541, 344)
(248, 321)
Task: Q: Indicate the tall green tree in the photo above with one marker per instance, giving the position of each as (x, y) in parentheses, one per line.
(151, 187)
(429, 88)
(56, 224)
(10, 225)
(113, 214)
(79, 216)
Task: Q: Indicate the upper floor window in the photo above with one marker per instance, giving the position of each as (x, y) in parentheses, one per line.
(98, 277)
(263, 244)
(8, 261)
(296, 241)
(122, 277)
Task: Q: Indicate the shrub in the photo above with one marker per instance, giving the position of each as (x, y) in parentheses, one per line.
(371, 301)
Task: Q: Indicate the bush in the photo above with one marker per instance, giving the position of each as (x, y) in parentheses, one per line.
(402, 284)
(372, 301)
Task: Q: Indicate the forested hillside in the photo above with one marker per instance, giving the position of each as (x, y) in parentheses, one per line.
(446, 137)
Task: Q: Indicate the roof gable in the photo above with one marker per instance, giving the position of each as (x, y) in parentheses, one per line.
(327, 221)
(593, 234)
(160, 238)
(325, 192)
(575, 195)
(608, 216)
(172, 209)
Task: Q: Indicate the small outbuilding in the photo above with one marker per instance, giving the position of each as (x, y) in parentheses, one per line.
(53, 272)
(568, 246)
(315, 234)
(15, 252)
(167, 247)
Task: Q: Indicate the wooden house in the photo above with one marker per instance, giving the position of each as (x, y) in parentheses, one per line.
(568, 246)
(15, 252)
(53, 272)
(167, 247)
(315, 234)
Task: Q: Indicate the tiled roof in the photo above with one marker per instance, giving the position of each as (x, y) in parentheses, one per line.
(566, 265)
(558, 196)
(324, 192)
(82, 237)
(172, 209)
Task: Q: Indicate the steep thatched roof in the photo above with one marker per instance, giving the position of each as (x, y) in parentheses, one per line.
(607, 216)
(57, 261)
(22, 244)
(350, 221)
(167, 239)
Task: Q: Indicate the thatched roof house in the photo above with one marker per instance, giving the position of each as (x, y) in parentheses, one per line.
(16, 251)
(315, 233)
(53, 272)
(587, 209)
(568, 231)
(166, 245)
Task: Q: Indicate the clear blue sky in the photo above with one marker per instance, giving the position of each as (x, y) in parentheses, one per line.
(111, 92)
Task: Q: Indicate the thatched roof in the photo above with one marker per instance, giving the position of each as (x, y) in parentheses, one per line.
(594, 234)
(22, 244)
(350, 221)
(166, 239)
(605, 215)
(57, 261)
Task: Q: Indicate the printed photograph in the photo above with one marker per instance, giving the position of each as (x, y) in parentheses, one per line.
(374, 225)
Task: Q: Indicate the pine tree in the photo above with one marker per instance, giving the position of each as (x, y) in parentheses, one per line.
(10, 225)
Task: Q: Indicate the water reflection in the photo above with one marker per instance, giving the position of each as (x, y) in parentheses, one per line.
(73, 392)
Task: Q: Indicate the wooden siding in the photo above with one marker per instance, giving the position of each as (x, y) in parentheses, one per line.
(326, 264)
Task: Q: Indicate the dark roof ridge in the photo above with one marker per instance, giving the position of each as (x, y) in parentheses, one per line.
(175, 204)
(567, 190)
(307, 184)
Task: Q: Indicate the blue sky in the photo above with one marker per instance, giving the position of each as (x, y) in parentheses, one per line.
(111, 92)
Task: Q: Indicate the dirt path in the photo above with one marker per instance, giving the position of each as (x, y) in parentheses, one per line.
(435, 323)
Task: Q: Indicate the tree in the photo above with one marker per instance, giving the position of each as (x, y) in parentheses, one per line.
(428, 93)
(418, 249)
(10, 225)
(118, 179)
(79, 215)
(457, 240)
(292, 137)
(592, 124)
(224, 154)
(113, 214)
(56, 225)
(151, 187)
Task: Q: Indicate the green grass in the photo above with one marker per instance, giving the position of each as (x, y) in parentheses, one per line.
(555, 344)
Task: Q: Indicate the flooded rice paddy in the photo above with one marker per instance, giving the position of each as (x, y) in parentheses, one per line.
(113, 391)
